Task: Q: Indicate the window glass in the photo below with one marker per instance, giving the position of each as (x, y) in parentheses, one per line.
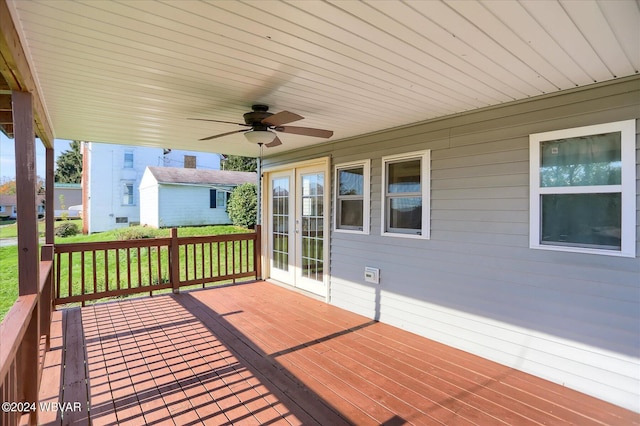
(128, 160)
(351, 181)
(127, 195)
(352, 197)
(404, 177)
(221, 199)
(590, 220)
(351, 213)
(582, 161)
(405, 213)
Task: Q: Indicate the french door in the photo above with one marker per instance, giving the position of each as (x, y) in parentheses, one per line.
(297, 223)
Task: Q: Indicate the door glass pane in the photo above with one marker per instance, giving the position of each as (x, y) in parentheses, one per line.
(311, 232)
(585, 220)
(280, 223)
(581, 161)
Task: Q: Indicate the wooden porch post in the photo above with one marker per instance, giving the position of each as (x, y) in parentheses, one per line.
(28, 266)
(49, 200)
(28, 255)
(174, 261)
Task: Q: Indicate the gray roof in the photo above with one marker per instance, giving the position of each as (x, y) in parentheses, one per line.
(201, 176)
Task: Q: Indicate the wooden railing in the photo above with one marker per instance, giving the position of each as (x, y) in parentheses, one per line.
(92, 271)
(24, 338)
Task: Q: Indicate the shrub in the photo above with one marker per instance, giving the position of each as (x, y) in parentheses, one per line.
(136, 233)
(66, 229)
(243, 205)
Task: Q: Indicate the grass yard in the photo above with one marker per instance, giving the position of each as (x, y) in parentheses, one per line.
(9, 255)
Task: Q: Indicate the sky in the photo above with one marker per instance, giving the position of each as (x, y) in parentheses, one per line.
(7, 156)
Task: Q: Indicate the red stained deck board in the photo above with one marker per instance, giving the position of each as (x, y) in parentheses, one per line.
(261, 354)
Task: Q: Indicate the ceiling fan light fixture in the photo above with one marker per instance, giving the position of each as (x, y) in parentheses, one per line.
(260, 136)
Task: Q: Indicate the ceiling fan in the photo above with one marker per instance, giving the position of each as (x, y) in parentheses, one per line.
(262, 124)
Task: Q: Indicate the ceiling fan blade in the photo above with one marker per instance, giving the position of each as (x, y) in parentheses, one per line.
(306, 131)
(223, 134)
(218, 121)
(282, 117)
(275, 142)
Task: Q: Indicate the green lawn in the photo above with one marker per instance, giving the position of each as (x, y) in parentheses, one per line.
(9, 261)
(9, 229)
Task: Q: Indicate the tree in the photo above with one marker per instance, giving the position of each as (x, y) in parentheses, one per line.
(69, 165)
(239, 163)
(9, 186)
(242, 206)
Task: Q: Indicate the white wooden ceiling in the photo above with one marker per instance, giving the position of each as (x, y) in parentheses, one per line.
(132, 72)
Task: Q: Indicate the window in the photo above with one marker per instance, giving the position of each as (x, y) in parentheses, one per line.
(128, 160)
(583, 189)
(189, 161)
(352, 197)
(405, 193)
(218, 198)
(127, 194)
(122, 220)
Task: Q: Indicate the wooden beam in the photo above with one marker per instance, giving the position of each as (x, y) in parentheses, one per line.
(28, 251)
(16, 71)
(5, 102)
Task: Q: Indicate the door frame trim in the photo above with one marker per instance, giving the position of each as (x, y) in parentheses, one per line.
(325, 164)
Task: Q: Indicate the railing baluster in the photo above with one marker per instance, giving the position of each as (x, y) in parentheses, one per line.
(202, 261)
(82, 272)
(219, 260)
(106, 269)
(70, 274)
(139, 269)
(118, 269)
(128, 267)
(94, 262)
(149, 254)
(210, 260)
(159, 253)
(233, 259)
(186, 262)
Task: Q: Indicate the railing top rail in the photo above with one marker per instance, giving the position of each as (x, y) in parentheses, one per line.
(106, 245)
(216, 238)
(13, 328)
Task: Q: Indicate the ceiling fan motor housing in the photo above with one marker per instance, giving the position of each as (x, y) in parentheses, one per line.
(255, 117)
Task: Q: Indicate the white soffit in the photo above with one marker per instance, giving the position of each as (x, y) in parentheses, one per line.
(132, 72)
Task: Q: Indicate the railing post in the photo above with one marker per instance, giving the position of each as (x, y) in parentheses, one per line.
(174, 261)
(257, 252)
(46, 298)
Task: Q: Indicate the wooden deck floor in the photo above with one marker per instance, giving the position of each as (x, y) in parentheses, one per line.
(260, 354)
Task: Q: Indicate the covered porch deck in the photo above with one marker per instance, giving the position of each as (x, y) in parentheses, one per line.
(258, 353)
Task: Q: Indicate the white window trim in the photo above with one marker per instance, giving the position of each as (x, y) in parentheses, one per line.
(425, 184)
(626, 188)
(366, 196)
